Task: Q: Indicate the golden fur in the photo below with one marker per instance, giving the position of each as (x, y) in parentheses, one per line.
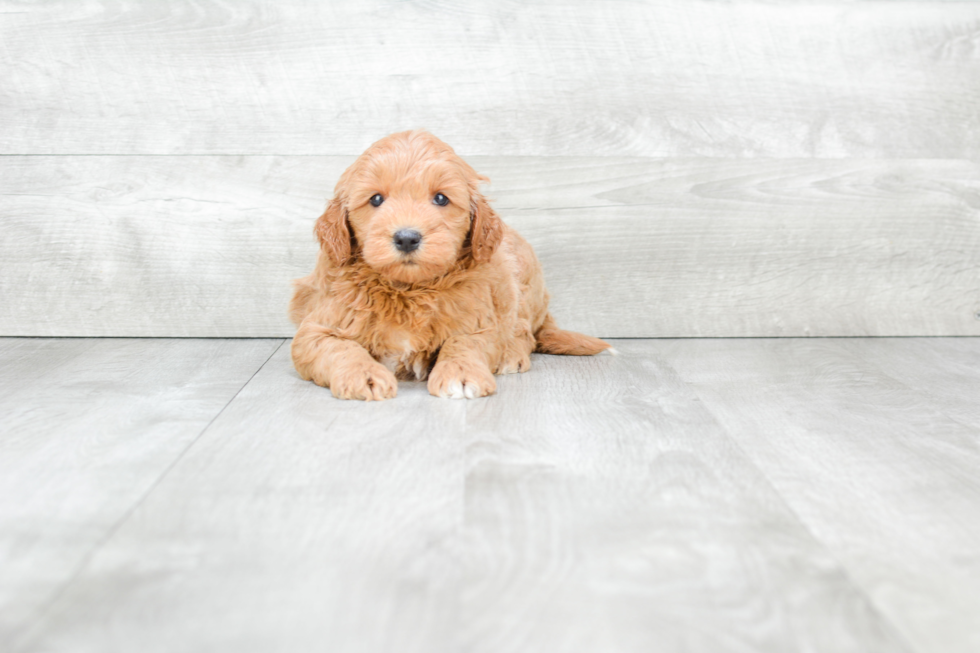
(469, 303)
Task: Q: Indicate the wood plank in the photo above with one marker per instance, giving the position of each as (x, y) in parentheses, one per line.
(296, 522)
(142, 246)
(592, 505)
(874, 467)
(606, 510)
(942, 370)
(133, 246)
(86, 429)
(676, 78)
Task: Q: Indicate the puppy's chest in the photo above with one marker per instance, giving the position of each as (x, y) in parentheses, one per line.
(405, 342)
(407, 355)
(404, 332)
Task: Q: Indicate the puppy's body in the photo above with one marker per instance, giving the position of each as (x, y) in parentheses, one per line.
(465, 302)
(403, 326)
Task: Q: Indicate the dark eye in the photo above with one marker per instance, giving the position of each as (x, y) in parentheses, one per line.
(376, 199)
(440, 199)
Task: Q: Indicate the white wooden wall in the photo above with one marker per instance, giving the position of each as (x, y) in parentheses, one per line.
(683, 168)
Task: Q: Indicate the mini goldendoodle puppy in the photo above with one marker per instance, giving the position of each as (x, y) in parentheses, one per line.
(419, 278)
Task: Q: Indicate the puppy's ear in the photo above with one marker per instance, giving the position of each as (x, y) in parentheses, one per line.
(486, 230)
(333, 233)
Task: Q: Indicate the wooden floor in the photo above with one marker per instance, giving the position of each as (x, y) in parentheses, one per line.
(688, 495)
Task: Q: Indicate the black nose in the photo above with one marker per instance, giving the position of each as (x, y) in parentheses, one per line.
(407, 240)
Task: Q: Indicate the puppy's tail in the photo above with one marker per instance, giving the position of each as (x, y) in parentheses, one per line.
(551, 340)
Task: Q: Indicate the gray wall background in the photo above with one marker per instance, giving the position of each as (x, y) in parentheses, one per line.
(682, 168)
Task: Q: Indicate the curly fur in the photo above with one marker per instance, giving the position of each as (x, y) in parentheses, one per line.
(469, 303)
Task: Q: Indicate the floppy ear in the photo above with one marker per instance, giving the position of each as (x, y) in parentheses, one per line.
(333, 233)
(486, 229)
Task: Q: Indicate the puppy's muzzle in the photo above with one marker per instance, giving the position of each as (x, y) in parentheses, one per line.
(407, 240)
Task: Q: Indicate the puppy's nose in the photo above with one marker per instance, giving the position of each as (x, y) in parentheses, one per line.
(407, 240)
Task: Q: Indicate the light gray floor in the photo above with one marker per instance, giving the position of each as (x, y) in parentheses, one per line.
(688, 495)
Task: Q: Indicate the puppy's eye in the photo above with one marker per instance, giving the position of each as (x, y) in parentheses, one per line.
(440, 199)
(376, 199)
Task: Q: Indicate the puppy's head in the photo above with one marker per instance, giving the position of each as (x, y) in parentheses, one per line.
(411, 208)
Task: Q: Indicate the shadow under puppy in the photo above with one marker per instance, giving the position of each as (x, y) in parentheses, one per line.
(419, 278)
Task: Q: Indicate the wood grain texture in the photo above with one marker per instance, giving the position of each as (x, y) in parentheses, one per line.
(944, 371)
(674, 78)
(86, 429)
(592, 505)
(606, 510)
(297, 522)
(207, 246)
(876, 466)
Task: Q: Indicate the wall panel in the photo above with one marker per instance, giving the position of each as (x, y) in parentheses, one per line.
(621, 78)
(207, 246)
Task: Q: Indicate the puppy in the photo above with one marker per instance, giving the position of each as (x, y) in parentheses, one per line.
(418, 278)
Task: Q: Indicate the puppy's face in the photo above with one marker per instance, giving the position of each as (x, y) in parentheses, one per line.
(409, 207)
(410, 204)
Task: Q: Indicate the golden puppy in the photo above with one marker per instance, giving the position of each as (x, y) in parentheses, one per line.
(419, 278)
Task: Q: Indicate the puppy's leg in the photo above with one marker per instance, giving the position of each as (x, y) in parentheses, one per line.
(517, 354)
(342, 365)
(462, 371)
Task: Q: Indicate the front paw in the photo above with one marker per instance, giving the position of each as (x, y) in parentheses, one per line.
(367, 381)
(518, 363)
(461, 380)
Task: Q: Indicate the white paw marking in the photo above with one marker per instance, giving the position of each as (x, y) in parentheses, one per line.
(609, 352)
(470, 391)
(455, 390)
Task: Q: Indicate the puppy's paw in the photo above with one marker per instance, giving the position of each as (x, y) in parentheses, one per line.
(514, 364)
(367, 381)
(461, 380)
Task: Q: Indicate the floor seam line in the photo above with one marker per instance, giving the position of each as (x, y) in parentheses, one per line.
(42, 613)
(841, 564)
